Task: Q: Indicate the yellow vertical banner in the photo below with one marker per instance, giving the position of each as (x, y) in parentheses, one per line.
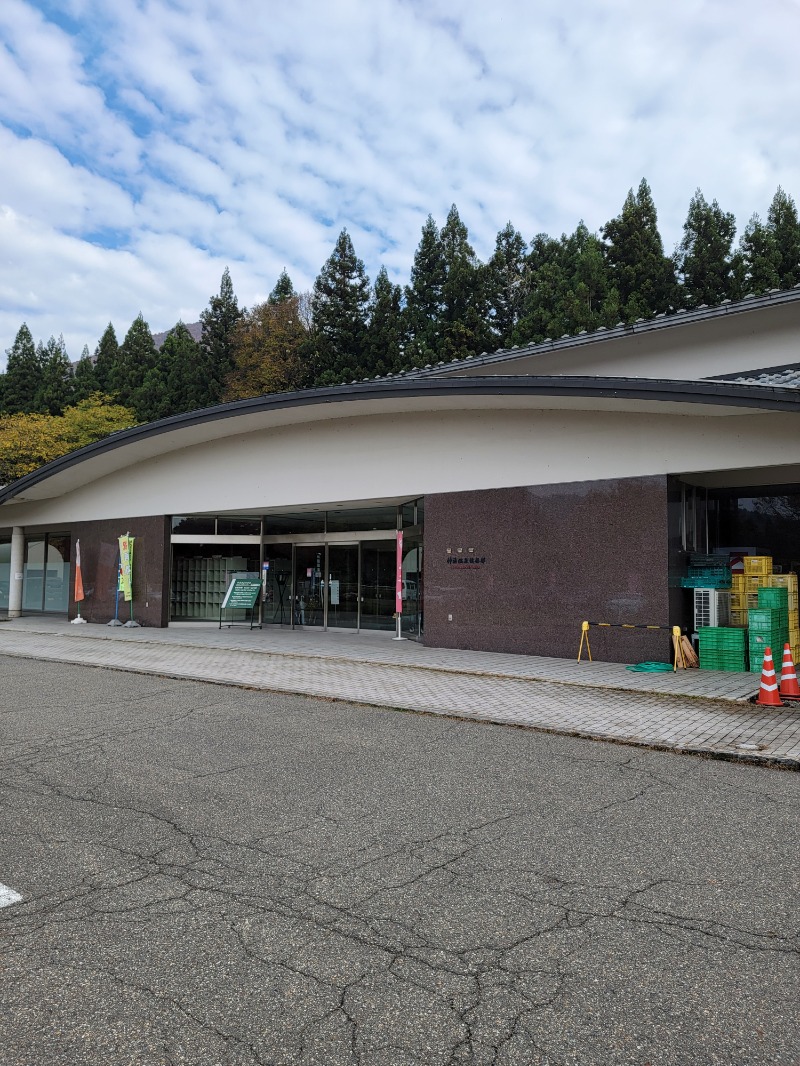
(126, 566)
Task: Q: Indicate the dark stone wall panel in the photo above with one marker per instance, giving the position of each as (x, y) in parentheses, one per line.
(99, 547)
(554, 555)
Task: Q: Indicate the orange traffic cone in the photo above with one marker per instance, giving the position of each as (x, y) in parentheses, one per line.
(768, 694)
(790, 690)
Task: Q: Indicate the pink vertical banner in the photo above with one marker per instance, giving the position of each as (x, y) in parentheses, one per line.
(398, 594)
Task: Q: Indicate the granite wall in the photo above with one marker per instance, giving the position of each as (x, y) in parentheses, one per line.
(99, 547)
(519, 569)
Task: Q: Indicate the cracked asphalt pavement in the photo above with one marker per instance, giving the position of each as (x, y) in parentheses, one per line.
(220, 877)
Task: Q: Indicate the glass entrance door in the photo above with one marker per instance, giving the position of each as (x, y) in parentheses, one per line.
(378, 577)
(277, 577)
(308, 603)
(343, 586)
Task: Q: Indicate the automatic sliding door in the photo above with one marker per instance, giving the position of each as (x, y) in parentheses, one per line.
(342, 586)
(378, 577)
(277, 608)
(309, 570)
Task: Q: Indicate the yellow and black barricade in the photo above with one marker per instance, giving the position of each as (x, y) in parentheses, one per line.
(677, 639)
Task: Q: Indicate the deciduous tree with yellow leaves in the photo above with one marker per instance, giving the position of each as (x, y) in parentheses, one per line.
(28, 441)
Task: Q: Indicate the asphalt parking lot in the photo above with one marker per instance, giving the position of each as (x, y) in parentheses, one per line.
(211, 875)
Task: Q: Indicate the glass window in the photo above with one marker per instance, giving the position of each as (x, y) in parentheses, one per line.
(56, 586)
(298, 522)
(412, 591)
(200, 523)
(345, 521)
(5, 571)
(33, 574)
(200, 576)
(763, 521)
(236, 525)
(46, 573)
(409, 514)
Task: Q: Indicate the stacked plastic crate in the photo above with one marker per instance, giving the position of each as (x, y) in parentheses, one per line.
(757, 575)
(744, 587)
(722, 648)
(739, 600)
(708, 572)
(789, 582)
(767, 627)
(778, 600)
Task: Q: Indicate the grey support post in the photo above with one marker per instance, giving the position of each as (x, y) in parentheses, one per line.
(17, 561)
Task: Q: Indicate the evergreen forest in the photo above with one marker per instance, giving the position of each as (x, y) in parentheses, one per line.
(348, 328)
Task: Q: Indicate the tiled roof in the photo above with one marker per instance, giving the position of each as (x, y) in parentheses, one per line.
(661, 321)
(787, 377)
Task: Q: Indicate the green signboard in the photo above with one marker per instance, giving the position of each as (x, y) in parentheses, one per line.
(242, 593)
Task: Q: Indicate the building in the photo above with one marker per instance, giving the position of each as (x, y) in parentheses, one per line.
(535, 488)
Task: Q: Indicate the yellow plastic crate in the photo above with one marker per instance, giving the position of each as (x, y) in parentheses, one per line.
(738, 583)
(738, 601)
(760, 565)
(754, 583)
(784, 581)
(738, 618)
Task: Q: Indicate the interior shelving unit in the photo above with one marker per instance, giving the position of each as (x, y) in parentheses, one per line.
(199, 584)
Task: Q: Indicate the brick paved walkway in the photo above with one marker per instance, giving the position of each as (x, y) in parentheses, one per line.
(698, 711)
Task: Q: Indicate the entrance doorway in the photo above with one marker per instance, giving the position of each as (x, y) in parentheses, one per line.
(343, 586)
(308, 600)
(331, 585)
(332, 569)
(378, 569)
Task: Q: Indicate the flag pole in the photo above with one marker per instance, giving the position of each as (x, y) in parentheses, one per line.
(77, 621)
(115, 620)
(127, 566)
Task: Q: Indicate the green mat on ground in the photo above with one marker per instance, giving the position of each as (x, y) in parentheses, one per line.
(650, 668)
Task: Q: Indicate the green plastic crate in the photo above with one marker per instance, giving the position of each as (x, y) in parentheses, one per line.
(736, 664)
(721, 637)
(777, 598)
(765, 617)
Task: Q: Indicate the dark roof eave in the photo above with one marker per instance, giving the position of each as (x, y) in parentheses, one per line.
(718, 393)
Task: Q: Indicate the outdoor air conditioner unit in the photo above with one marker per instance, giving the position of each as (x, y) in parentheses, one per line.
(712, 607)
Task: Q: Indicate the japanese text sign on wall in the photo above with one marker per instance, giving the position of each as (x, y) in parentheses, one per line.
(465, 558)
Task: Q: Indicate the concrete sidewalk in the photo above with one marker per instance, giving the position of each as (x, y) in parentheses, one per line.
(698, 711)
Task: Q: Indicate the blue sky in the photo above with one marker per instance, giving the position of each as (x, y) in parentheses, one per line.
(147, 144)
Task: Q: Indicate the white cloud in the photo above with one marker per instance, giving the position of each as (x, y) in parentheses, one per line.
(148, 143)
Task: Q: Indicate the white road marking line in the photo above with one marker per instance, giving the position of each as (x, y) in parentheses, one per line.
(8, 896)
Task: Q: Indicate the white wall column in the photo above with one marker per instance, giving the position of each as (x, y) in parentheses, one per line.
(17, 562)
